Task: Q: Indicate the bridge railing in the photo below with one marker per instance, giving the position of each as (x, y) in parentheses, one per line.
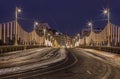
(10, 48)
(101, 38)
(104, 48)
(12, 33)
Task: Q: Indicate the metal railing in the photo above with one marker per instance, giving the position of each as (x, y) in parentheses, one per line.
(115, 50)
(10, 48)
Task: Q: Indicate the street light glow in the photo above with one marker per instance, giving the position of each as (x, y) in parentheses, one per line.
(44, 30)
(48, 34)
(19, 10)
(105, 11)
(36, 23)
(76, 37)
(78, 34)
(89, 23)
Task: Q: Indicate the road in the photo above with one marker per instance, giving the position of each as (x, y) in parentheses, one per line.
(78, 64)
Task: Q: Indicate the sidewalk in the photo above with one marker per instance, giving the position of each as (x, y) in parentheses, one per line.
(111, 58)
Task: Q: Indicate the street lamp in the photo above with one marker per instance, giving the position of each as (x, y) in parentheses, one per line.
(91, 25)
(48, 39)
(78, 38)
(35, 24)
(48, 34)
(44, 31)
(107, 12)
(17, 11)
(78, 34)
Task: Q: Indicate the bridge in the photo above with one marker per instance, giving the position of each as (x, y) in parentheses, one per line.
(30, 55)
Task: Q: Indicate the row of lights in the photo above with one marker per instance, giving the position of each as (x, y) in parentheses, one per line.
(18, 11)
(90, 23)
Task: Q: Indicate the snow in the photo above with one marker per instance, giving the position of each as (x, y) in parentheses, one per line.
(20, 54)
(59, 57)
(111, 58)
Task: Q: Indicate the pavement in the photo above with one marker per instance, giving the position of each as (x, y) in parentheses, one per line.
(76, 63)
(44, 58)
(109, 57)
(88, 66)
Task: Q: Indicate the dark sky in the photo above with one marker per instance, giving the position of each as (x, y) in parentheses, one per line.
(67, 16)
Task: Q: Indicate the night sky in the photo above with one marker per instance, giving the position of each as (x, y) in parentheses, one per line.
(67, 16)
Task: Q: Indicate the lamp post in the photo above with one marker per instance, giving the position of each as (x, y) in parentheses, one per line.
(107, 12)
(78, 38)
(49, 39)
(51, 42)
(76, 42)
(78, 35)
(44, 30)
(17, 11)
(35, 24)
(91, 25)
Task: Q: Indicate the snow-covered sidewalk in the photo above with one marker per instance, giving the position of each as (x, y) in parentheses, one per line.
(22, 53)
(113, 59)
(61, 56)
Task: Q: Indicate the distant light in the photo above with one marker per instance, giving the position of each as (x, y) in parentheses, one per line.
(57, 33)
(105, 11)
(48, 34)
(44, 30)
(89, 23)
(36, 23)
(51, 37)
(76, 37)
(19, 10)
(78, 34)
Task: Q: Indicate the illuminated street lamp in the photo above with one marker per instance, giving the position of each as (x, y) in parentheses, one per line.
(17, 11)
(78, 38)
(44, 31)
(78, 35)
(107, 12)
(35, 24)
(48, 39)
(48, 35)
(91, 25)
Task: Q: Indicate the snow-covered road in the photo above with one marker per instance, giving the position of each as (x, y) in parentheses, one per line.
(45, 55)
